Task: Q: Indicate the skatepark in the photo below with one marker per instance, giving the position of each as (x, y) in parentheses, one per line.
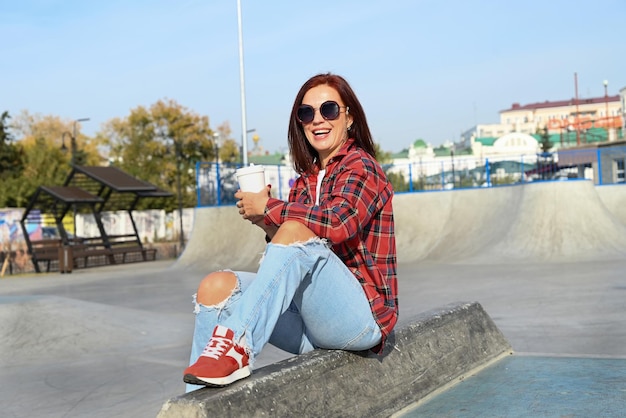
(545, 261)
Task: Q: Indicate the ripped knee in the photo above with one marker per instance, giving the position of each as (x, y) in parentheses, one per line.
(216, 287)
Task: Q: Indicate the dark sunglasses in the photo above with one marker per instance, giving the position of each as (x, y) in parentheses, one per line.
(329, 110)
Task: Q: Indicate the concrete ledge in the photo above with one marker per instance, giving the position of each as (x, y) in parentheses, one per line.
(427, 353)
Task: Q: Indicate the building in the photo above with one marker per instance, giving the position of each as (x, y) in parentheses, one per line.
(569, 122)
(521, 138)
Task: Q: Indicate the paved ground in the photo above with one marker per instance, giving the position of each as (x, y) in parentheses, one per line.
(531, 386)
(114, 341)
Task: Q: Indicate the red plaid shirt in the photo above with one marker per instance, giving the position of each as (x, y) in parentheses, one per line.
(355, 215)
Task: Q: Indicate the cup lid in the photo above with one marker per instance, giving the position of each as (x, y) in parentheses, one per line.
(250, 169)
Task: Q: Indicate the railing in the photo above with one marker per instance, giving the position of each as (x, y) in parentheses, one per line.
(216, 183)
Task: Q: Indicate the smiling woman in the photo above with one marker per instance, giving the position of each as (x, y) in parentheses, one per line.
(328, 275)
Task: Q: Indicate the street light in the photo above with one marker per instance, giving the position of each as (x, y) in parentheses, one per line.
(216, 142)
(244, 150)
(72, 141)
(606, 97)
(177, 153)
(244, 139)
(606, 104)
(72, 158)
(452, 163)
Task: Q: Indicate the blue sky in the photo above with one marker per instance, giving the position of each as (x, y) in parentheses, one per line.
(425, 69)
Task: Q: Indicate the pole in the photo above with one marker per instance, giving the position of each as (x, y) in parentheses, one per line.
(452, 162)
(180, 197)
(606, 104)
(576, 117)
(178, 156)
(73, 146)
(606, 98)
(244, 134)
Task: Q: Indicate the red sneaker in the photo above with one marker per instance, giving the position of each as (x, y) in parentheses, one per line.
(221, 363)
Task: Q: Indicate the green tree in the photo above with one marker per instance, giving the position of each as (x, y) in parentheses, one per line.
(159, 143)
(229, 149)
(11, 164)
(43, 161)
(382, 157)
(545, 143)
(11, 155)
(398, 181)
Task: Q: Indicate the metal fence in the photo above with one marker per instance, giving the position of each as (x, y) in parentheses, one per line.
(216, 183)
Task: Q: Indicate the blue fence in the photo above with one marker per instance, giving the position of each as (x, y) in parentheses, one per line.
(216, 183)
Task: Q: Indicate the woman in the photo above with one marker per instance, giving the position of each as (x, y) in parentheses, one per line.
(327, 278)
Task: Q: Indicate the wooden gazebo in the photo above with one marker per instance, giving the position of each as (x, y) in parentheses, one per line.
(94, 190)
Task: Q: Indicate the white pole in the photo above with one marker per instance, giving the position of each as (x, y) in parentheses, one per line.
(244, 130)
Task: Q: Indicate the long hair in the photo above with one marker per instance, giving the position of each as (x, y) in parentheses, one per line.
(302, 153)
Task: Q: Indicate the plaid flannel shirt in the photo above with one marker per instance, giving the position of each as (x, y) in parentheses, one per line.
(355, 215)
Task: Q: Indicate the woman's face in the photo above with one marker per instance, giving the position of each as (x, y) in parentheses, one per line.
(325, 136)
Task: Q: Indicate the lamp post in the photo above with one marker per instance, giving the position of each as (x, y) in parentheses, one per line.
(216, 142)
(452, 163)
(218, 182)
(73, 147)
(179, 190)
(606, 98)
(73, 150)
(181, 234)
(606, 106)
(244, 151)
(72, 143)
(244, 139)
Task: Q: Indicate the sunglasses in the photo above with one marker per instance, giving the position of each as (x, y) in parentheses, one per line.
(329, 110)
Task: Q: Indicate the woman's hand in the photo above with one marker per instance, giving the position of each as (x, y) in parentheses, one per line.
(252, 205)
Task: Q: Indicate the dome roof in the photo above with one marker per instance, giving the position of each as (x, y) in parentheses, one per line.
(419, 143)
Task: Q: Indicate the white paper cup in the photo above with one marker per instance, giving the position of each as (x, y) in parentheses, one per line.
(251, 178)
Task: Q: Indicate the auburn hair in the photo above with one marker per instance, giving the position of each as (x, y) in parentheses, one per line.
(302, 153)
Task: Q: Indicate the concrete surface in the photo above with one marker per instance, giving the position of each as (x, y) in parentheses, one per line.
(432, 350)
(535, 386)
(613, 197)
(114, 341)
(536, 222)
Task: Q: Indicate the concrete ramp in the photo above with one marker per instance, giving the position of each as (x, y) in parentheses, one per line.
(613, 196)
(546, 222)
(436, 349)
(222, 239)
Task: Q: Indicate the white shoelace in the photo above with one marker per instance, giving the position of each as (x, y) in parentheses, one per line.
(216, 347)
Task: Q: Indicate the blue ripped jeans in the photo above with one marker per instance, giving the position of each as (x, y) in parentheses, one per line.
(302, 297)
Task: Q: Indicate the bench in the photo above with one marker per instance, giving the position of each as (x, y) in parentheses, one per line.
(128, 249)
(93, 252)
(47, 251)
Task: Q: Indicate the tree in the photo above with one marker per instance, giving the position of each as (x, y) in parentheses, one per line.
(11, 163)
(229, 149)
(545, 143)
(42, 160)
(11, 155)
(383, 157)
(157, 144)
